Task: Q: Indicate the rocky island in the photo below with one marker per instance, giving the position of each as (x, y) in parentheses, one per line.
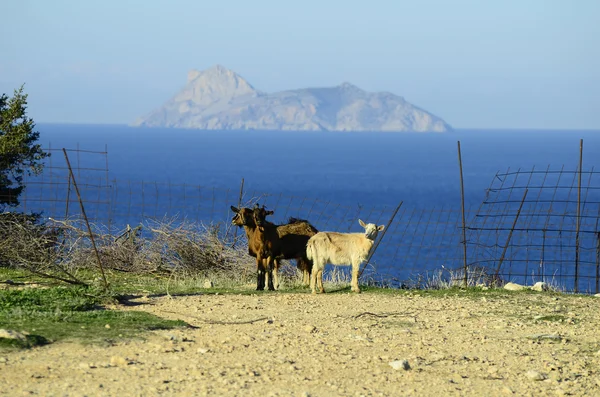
(219, 99)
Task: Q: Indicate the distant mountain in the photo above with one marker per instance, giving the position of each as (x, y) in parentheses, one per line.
(219, 99)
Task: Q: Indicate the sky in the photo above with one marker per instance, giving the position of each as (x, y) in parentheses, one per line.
(474, 63)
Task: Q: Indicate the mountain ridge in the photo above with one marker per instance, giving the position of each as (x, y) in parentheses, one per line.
(219, 98)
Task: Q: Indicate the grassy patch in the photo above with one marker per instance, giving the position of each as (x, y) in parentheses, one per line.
(44, 315)
(48, 299)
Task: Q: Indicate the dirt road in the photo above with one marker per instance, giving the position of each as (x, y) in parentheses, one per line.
(280, 344)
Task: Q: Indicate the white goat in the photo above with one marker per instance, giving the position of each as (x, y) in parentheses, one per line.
(340, 249)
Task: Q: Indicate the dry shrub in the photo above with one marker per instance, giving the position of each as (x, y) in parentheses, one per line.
(23, 239)
(170, 246)
(444, 278)
(116, 252)
(27, 243)
(191, 249)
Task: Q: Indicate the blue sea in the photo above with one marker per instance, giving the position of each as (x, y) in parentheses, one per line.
(332, 178)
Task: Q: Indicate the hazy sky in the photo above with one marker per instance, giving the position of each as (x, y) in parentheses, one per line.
(477, 63)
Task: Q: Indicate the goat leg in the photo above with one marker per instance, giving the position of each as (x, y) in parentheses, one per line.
(303, 265)
(320, 278)
(355, 268)
(276, 274)
(260, 280)
(313, 279)
(260, 274)
(270, 272)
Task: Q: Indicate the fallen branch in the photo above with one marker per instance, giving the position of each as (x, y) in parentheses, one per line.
(391, 314)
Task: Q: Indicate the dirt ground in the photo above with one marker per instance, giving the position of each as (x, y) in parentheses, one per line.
(338, 344)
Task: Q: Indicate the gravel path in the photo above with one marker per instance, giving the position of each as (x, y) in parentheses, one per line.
(278, 344)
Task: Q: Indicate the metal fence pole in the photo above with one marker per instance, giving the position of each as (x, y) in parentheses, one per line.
(68, 197)
(597, 261)
(239, 205)
(372, 251)
(512, 229)
(86, 220)
(578, 219)
(464, 223)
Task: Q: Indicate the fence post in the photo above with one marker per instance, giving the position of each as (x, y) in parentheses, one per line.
(512, 229)
(108, 190)
(68, 197)
(578, 219)
(372, 251)
(464, 223)
(597, 261)
(239, 205)
(86, 219)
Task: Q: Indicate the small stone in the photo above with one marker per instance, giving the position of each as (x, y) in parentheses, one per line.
(310, 328)
(400, 364)
(10, 334)
(535, 375)
(202, 350)
(208, 283)
(107, 326)
(507, 390)
(117, 361)
(3, 359)
(172, 338)
(540, 286)
(514, 287)
(597, 295)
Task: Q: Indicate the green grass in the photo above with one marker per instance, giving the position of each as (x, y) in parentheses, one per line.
(87, 326)
(49, 314)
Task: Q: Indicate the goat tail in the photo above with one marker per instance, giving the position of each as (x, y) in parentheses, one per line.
(310, 251)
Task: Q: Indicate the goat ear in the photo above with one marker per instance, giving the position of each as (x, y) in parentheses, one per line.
(270, 212)
(235, 209)
(361, 223)
(380, 227)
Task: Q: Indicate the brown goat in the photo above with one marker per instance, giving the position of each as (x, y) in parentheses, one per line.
(267, 240)
(293, 235)
(290, 242)
(244, 217)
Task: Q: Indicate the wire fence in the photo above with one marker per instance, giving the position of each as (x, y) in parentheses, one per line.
(535, 225)
(541, 225)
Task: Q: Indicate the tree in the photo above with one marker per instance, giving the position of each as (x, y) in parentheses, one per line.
(19, 153)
